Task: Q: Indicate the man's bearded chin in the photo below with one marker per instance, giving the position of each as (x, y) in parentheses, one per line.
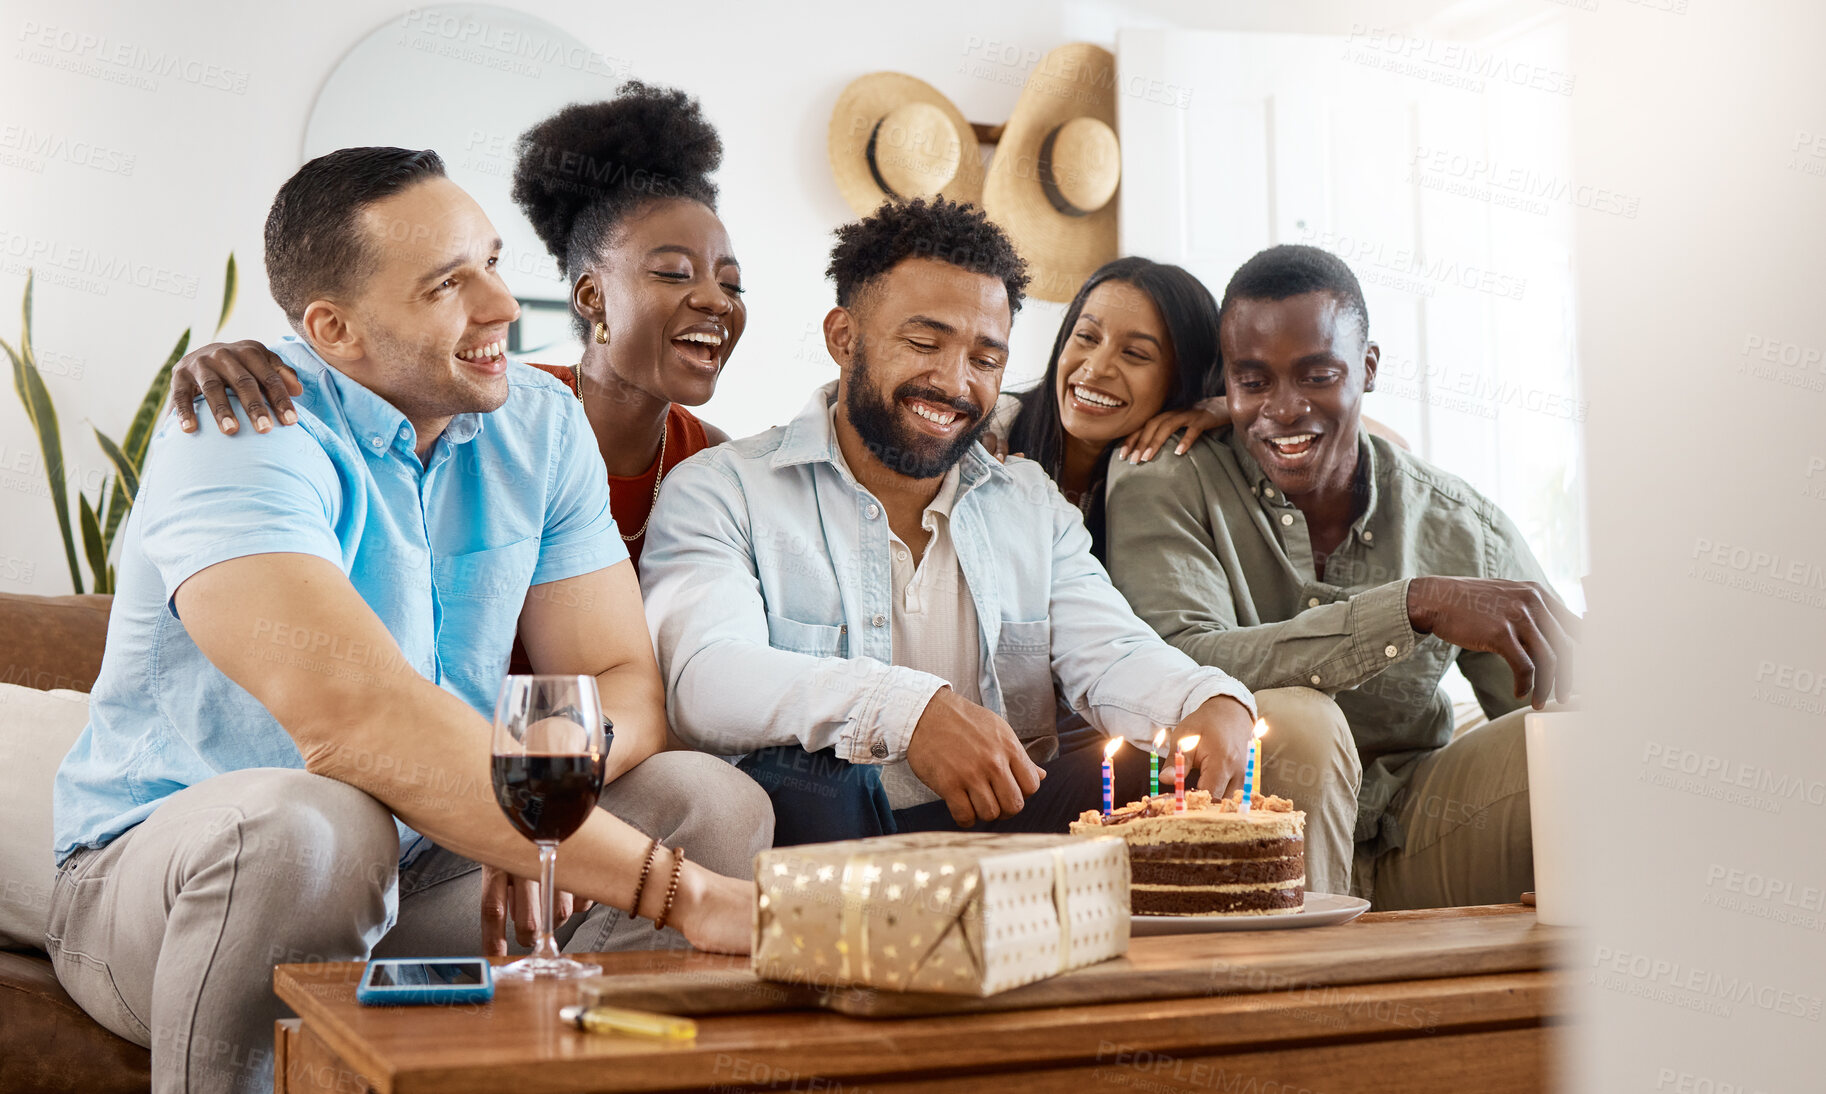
(896, 445)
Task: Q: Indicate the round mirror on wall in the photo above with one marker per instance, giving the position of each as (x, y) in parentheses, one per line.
(466, 80)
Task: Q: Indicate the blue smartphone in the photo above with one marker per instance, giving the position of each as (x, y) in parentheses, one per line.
(394, 982)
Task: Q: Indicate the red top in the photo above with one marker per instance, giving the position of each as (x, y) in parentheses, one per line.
(631, 496)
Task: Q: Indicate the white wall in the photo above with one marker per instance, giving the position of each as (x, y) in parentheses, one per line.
(1705, 965)
(155, 177)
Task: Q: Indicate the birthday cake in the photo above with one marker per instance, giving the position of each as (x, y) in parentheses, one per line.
(1211, 859)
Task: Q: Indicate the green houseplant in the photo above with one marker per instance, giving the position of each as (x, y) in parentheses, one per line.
(99, 520)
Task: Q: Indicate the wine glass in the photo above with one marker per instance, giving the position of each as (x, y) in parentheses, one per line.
(549, 749)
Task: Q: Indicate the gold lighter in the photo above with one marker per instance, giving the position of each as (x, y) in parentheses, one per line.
(641, 1023)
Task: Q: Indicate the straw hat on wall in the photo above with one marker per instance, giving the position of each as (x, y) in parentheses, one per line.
(894, 136)
(1052, 184)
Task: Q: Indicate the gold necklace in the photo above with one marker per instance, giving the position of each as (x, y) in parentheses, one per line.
(577, 369)
(625, 538)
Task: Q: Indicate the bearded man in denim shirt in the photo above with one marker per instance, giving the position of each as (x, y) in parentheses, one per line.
(873, 612)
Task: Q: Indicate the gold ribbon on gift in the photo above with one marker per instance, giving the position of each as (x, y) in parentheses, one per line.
(853, 925)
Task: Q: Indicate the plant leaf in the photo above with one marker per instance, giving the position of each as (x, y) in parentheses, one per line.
(228, 294)
(139, 434)
(129, 474)
(19, 382)
(91, 544)
(43, 416)
(26, 353)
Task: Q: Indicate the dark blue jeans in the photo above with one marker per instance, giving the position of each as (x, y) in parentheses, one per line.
(818, 798)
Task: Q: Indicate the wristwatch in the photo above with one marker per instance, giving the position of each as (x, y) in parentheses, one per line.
(575, 715)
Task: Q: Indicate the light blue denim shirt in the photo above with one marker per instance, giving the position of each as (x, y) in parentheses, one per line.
(768, 587)
(443, 551)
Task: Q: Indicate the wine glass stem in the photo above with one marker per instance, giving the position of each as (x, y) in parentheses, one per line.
(546, 949)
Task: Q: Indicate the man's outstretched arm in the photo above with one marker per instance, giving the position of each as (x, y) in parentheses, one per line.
(379, 726)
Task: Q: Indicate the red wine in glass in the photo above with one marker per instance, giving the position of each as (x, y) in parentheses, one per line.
(547, 798)
(550, 744)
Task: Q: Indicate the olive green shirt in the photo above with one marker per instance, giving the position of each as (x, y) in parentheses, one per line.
(1217, 561)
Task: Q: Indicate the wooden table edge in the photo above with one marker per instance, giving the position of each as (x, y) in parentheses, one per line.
(337, 1037)
(1198, 1026)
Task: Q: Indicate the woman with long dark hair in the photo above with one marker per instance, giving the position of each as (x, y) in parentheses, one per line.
(1138, 341)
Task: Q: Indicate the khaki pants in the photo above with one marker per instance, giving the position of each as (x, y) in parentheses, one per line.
(1310, 758)
(1464, 818)
(1464, 814)
(169, 934)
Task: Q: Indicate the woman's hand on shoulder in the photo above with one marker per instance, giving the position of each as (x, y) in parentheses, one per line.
(1145, 443)
(996, 446)
(259, 376)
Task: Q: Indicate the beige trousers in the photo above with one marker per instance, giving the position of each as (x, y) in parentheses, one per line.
(169, 934)
(1464, 816)
(1310, 758)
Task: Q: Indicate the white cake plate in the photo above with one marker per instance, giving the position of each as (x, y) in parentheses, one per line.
(1320, 910)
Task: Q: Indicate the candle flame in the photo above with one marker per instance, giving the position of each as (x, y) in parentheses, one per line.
(1110, 749)
(1261, 727)
(1160, 737)
(1187, 744)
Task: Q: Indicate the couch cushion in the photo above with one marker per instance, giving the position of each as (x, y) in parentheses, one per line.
(48, 1044)
(52, 641)
(36, 729)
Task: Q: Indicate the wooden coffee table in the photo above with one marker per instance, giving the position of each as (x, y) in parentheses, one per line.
(1393, 1003)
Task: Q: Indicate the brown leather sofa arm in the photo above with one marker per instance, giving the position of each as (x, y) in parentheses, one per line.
(50, 642)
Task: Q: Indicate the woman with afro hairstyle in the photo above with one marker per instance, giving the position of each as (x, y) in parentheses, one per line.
(620, 193)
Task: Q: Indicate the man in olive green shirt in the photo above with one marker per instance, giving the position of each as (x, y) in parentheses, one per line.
(1292, 547)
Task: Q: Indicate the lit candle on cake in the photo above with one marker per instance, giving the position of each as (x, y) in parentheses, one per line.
(1255, 748)
(1186, 744)
(1159, 746)
(1109, 775)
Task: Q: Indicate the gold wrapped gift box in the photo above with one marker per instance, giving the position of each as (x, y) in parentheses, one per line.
(960, 913)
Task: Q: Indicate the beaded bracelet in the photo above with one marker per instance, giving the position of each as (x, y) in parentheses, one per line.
(641, 885)
(678, 863)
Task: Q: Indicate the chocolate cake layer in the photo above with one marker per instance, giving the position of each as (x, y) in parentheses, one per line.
(1256, 848)
(1205, 902)
(1208, 872)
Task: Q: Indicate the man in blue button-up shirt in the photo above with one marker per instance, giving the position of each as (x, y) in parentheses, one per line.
(288, 751)
(876, 611)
